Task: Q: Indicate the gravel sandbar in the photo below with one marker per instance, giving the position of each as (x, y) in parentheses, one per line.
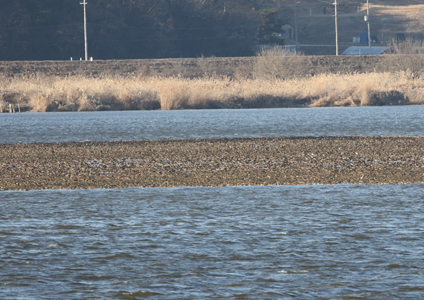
(213, 162)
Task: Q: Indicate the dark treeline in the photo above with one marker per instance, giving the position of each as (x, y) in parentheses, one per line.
(127, 29)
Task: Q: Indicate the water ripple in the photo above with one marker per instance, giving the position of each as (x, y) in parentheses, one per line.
(275, 242)
(139, 125)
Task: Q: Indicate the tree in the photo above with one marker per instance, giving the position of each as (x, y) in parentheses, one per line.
(271, 31)
(122, 29)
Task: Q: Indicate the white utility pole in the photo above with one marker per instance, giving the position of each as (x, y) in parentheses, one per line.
(85, 29)
(337, 31)
(368, 23)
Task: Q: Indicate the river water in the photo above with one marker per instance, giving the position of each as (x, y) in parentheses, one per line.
(261, 242)
(139, 125)
(279, 242)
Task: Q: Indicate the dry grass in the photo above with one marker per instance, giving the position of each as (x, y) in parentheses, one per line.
(277, 63)
(276, 81)
(388, 17)
(39, 94)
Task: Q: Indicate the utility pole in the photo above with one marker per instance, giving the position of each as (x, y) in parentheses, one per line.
(367, 19)
(295, 23)
(85, 29)
(337, 31)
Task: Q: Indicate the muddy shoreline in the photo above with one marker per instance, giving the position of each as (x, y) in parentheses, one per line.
(213, 162)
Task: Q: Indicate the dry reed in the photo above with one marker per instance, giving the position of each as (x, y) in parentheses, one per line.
(40, 94)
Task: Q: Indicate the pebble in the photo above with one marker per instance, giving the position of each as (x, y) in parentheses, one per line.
(213, 162)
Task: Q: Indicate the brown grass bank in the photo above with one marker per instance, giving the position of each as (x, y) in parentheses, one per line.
(183, 67)
(213, 162)
(79, 93)
(274, 78)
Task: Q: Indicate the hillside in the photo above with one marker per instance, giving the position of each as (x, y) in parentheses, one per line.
(140, 29)
(126, 29)
(388, 19)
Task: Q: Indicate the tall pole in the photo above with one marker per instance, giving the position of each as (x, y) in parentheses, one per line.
(85, 29)
(295, 23)
(337, 31)
(369, 31)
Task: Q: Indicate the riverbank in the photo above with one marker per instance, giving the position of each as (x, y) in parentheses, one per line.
(272, 79)
(183, 67)
(213, 162)
(54, 94)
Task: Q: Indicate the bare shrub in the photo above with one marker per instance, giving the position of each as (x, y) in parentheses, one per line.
(408, 46)
(407, 56)
(278, 63)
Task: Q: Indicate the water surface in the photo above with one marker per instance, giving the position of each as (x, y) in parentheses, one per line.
(139, 125)
(281, 242)
(275, 242)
